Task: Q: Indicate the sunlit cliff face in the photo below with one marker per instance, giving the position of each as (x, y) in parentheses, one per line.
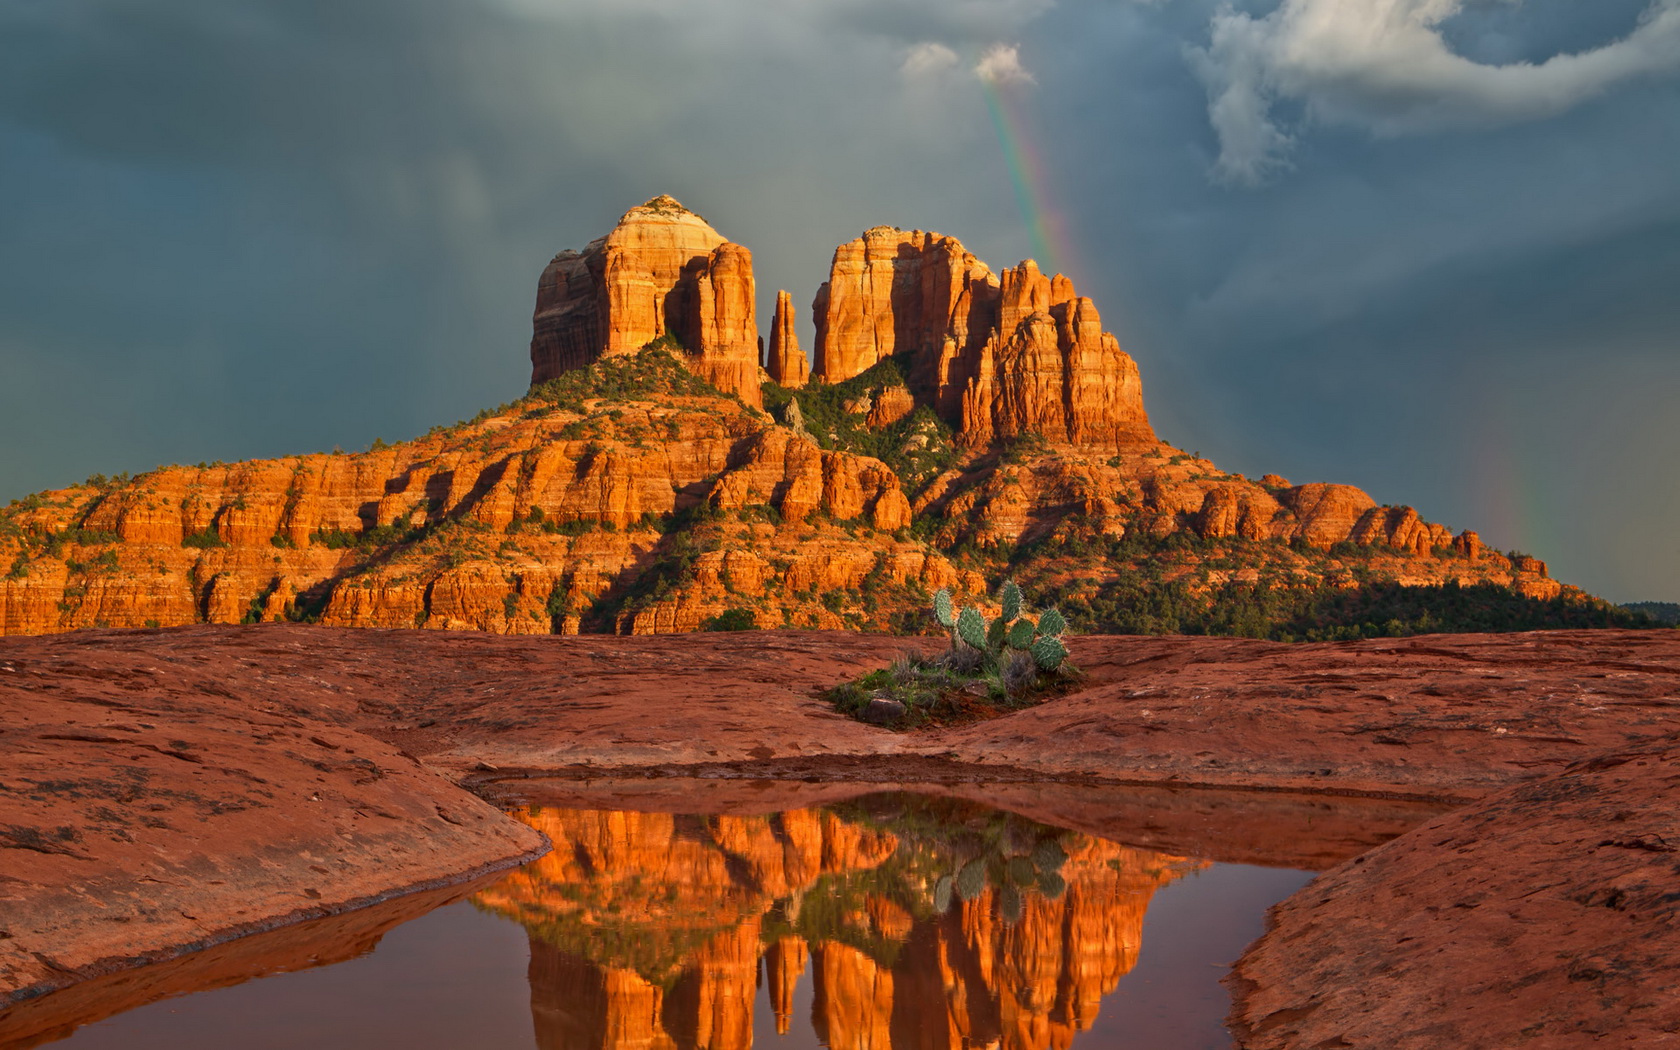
(923, 924)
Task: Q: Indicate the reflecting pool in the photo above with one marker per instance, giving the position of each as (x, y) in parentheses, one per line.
(893, 920)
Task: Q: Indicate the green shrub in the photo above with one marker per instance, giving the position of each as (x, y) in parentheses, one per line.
(731, 620)
(204, 539)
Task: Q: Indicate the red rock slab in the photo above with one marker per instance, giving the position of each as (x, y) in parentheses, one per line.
(161, 790)
(149, 808)
(1440, 717)
(1545, 917)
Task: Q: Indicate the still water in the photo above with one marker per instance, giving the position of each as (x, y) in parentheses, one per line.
(890, 922)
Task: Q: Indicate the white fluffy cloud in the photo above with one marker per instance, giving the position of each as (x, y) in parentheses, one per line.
(1383, 65)
(1001, 64)
(928, 58)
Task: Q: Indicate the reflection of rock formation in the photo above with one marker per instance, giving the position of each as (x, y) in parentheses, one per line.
(649, 931)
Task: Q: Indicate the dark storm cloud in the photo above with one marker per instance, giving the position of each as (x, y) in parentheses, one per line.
(247, 228)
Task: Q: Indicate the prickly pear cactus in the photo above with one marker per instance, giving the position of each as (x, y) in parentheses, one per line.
(1021, 635)
(971, 880)
(942, 609)
(1010, 596)
(1051, 624)
(971, 627)
(996, 635)
(1049, 653)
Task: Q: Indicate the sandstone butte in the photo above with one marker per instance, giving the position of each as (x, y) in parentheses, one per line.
(275, 773)
(621, 496)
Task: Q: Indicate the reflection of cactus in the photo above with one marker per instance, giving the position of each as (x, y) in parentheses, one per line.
(1051, 884)
(1049, 855)
(1021, 871)
(942, 894)
(1010, 905)
(971, 880)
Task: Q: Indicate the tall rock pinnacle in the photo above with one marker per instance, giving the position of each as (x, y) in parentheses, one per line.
(662, 271)
(786, 362)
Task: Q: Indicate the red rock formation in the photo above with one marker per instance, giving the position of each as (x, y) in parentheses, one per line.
(889, 405)
(662, 271)
(786, 364)
(545, 516)
(518, 524)
(997, 358)
(892, 291)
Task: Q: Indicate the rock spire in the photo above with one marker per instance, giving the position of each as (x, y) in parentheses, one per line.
(786, 363)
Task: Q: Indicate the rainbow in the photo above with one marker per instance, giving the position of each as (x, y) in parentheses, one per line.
(1047, 234)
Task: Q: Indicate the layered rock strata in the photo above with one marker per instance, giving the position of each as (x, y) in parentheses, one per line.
(661, 272)
(995, 356)
(525, 520)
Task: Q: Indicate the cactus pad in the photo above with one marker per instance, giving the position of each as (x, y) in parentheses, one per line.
(996, 635)
(971, 627)
(942, 609)
(1021, 635)
(1051, 624)
(1010, 596)
(1049, 652)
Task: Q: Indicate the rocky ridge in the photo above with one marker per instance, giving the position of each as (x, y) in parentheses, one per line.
(958, 426)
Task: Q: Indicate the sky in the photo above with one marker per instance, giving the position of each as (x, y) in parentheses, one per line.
(1426, 247)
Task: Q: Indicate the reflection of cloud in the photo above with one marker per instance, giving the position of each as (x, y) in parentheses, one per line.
(1387, 68)
(928, 59)
(1001, 64)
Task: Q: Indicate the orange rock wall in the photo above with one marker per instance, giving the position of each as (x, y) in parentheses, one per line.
(270, 531)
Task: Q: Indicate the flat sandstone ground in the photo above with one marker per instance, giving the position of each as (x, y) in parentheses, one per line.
(165, 790)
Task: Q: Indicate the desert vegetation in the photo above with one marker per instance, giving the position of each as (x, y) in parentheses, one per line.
(991, 664)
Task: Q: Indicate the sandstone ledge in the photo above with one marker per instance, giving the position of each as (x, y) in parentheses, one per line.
(165, 789)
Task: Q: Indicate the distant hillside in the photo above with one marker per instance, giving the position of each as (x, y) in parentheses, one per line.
(1666, 613)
